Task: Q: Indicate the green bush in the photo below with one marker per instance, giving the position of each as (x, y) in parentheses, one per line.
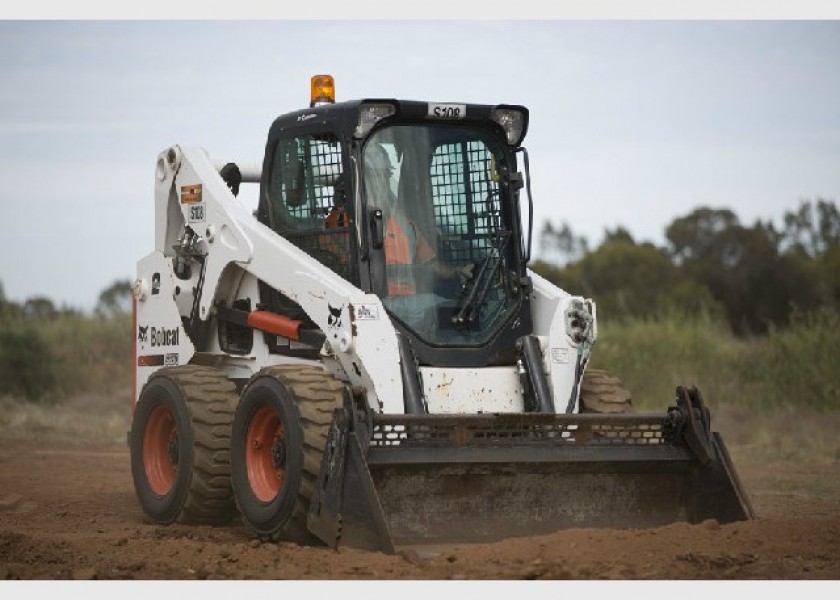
(93, 353)
(797, 366)
(47, 359)
(800, 365)
(26, 362)
(653, 356)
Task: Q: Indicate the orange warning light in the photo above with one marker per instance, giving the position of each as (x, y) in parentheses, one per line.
(322, 90)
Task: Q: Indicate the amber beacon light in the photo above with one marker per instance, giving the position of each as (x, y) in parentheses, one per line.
(322, 90)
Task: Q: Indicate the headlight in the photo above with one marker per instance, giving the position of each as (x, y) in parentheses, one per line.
(512, 121)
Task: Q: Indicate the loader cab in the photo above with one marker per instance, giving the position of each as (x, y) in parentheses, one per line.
(418, 203)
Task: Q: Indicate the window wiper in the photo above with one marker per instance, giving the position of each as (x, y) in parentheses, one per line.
(481, 283)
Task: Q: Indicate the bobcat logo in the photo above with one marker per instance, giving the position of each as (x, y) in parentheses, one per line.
(334, 320)
(143, 333)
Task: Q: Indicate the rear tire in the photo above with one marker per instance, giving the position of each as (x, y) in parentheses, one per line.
(603, 394)
(180, 446)
(278, 438)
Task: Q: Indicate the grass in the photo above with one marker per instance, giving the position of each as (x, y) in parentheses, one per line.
(82, 419)
(797, 367)
(50, 359)
(65, 378)
(790, 369)
(653, 357)
(773, 398)
(776, 396)
(801, 364)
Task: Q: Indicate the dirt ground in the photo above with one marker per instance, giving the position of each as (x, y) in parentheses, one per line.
(68, 512)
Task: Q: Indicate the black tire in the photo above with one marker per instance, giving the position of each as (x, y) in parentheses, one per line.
(278, 438)
(603, 394)
(180, 446)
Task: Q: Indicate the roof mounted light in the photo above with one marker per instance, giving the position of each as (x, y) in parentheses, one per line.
(322, 90)
(512, 120)
(370, 113)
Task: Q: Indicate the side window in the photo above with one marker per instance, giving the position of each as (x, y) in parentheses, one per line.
(305, 182)
(307, 199)
(465, 192)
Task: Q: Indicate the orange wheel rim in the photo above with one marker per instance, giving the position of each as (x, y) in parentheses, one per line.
(265, 454)
(160, 450)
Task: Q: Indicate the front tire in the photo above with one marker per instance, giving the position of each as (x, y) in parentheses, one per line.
(278, 438)
(180, 446)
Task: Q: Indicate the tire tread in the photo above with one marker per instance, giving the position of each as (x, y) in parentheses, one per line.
(211, 401)
(316, 394)
(602, 393)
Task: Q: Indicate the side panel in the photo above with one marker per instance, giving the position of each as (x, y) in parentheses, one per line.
(551, 309)
(160, 339)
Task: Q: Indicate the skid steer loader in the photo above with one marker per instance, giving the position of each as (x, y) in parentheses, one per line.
(366, 360)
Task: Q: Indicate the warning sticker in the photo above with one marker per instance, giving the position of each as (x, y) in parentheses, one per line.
(366, 312)
(190, 194)
(560, 355)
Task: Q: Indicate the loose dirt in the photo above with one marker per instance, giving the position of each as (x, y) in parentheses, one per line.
(68, 511)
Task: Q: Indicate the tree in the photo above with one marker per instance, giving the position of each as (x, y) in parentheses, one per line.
(828, 266)
(115, 299)
(39, 307)
(828, 224)
(559, 244)
(743, 268)
(619, 234)
(8, 310)
(697, 235)
(628, 280)
(813, 228)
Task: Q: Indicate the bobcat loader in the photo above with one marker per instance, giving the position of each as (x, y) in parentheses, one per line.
(366, 359)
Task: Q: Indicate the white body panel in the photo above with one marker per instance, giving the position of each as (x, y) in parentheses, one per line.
(550, 307)
(160, 340)
(481, 390)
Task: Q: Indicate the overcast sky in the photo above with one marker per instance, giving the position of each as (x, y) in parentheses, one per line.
(633, 123)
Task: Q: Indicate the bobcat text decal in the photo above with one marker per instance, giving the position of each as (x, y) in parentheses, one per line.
(158, 336)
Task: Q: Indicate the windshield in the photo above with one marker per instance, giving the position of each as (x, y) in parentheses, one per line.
(446, 235)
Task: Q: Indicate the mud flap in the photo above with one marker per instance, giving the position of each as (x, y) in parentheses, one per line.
(393, 480)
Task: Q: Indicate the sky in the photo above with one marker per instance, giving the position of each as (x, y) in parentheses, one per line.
(632, 122)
